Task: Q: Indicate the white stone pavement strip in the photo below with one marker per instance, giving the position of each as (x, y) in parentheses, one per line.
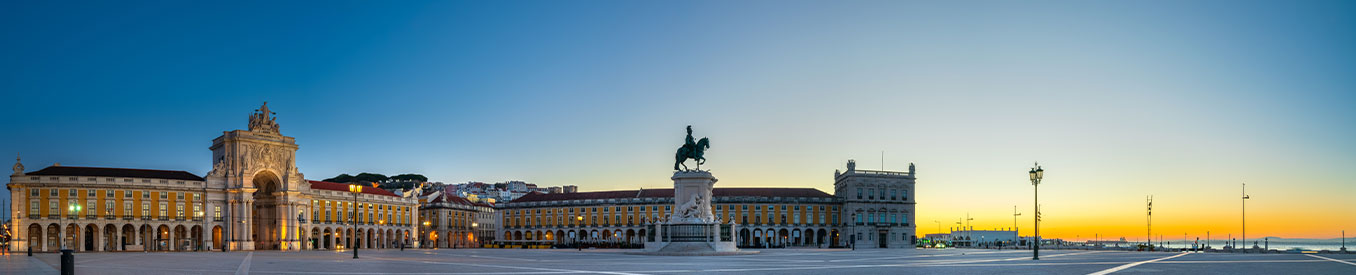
(245, 265)
(920, 256)
(554, 270)
(820, 267)
(1330, 259)
(1129, 265)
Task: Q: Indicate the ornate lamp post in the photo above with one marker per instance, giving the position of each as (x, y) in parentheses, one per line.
(472, 238)
(74, 209)
(1036, 174)
(1245, 214)
(852, 240)
(425, 233)
(355, 189)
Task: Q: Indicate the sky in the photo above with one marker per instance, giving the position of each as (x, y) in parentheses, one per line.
(1117, 100)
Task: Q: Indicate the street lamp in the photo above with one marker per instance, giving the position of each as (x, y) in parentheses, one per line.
(426, 230)
(355, 189)
(1036, 174)
(852, 240)
(74, 209)
(1245, 214)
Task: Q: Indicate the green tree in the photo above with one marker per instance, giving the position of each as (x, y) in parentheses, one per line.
(341, 178)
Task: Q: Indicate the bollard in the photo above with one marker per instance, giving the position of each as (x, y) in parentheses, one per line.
(67, 262)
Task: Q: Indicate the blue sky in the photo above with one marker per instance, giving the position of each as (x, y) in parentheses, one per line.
(1119, 99)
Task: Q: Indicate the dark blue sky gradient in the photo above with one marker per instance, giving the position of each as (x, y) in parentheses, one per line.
(595, 93)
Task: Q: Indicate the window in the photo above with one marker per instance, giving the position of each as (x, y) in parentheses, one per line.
(108, 208)
(90, 193)
(216, 212)
(71, 193)
(33, 192)
(821, 217)
(197, 209)
(33, 208)
(108, 193)
(127, 208)
(859, 193)
(892, 194)
(179, 212)
(164, 211)
(795, 218)
(126, 194)
(871, 194)
(894, 218)
(164, 195)
(180, 196)
(51, 207)
(870, 218)
(53, 193)
(145, 195)
(859, 219)
(93, 207)
(145, 210)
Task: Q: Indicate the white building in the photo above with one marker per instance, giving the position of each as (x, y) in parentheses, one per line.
(878, 206)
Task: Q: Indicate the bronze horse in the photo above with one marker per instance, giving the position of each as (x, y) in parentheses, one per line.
(688, 151)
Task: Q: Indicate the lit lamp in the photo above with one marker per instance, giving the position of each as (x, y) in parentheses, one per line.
(355, 189)
(471, 237)
(426, 226)
(1036, 175)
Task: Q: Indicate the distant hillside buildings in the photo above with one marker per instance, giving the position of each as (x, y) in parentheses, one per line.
(496, 192)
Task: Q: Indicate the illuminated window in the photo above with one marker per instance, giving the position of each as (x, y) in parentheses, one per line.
(126, 209)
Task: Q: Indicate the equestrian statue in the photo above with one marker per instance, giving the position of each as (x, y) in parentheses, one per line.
(691, 150)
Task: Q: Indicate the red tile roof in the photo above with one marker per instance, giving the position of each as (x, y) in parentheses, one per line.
(114, 172)
(367, 189)
(668, 193)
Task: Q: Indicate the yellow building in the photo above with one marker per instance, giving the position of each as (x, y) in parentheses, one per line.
(450, 221)
(766, 216)
(254, 198)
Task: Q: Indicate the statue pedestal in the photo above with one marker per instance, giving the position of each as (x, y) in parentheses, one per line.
(691, 229)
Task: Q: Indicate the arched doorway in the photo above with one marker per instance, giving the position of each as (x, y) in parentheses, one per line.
(147, 237)
(265, 219)
(181, 241)
(129, 236)
(216, 237)
(110, 242)
(326, 239)
(90, 231)
(744, 237)
(162, 238)
(72, 234)
(35, 237)
(53, 237)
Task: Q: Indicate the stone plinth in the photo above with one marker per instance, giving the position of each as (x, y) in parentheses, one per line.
(691, 229)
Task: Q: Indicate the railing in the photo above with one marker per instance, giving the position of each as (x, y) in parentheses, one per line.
(687, 232)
